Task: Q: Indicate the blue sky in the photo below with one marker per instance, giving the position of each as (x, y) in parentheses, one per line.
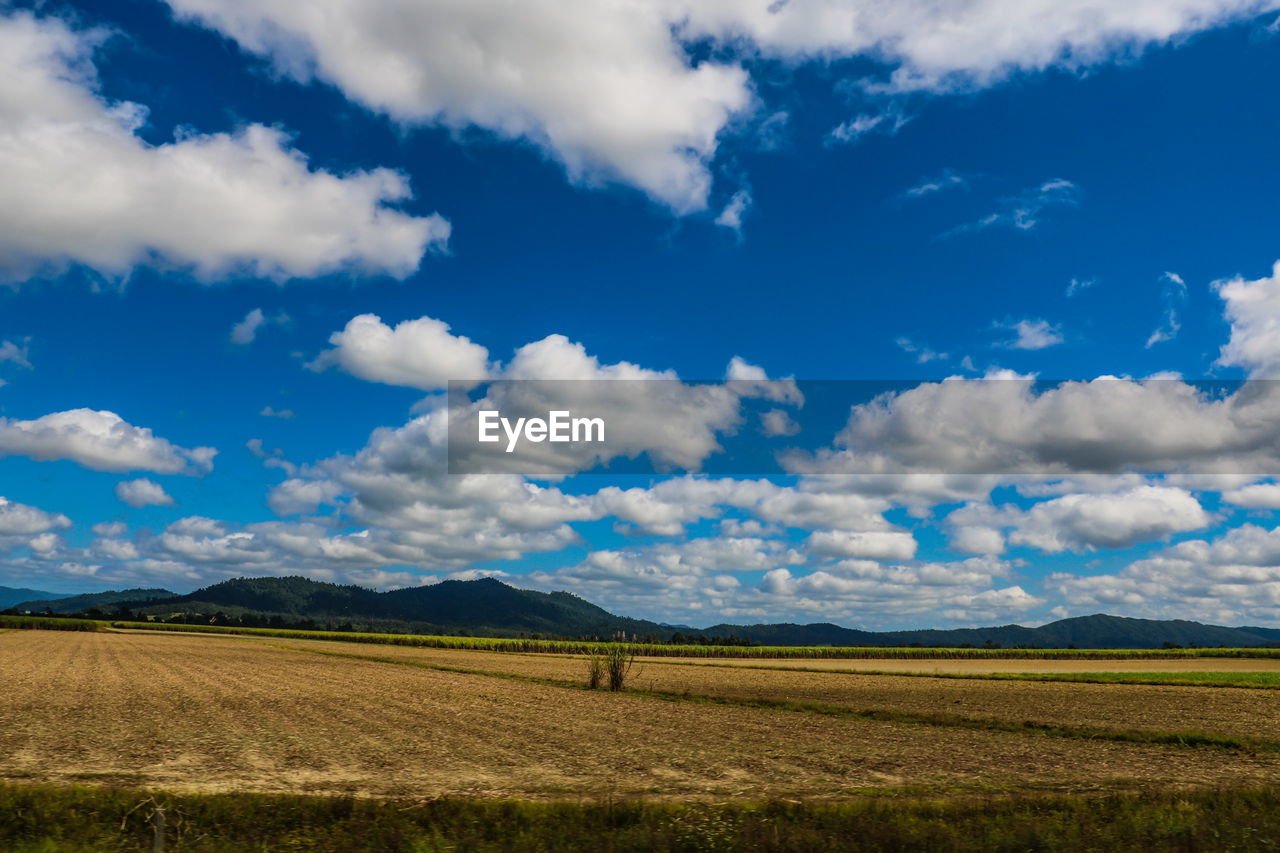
(669, 191)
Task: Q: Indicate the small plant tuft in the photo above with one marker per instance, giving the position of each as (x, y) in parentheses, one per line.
(595, 671)
(618, 661)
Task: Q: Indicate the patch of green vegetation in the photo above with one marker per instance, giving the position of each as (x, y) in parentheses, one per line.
(587, 647)
(48, 624)
(53, 819)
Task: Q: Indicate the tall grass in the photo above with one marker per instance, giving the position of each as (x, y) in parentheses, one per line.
(49, 624)
(51, 819)
(588, 647)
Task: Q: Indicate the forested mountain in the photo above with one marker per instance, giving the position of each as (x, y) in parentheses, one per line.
(490, 607)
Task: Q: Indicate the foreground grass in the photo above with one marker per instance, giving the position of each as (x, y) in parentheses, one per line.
(582, 647)
(52, 819)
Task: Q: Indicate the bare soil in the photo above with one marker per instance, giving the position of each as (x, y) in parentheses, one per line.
(214, 713)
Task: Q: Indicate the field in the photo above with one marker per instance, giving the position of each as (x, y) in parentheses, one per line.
(202, 716)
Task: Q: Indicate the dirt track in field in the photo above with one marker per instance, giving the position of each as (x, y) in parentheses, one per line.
(212, 713)
(1236, 712)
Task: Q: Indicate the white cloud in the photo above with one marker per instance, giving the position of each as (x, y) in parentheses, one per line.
(79, 185)
(21, 520)
(888, 122)
(608, 88)
(417, 353)
(1032, 334)
(776, 422)
(949, 179)
(1082, 522)
(11, 352)
(1076, 285)
(602, 87)
(1173, 295)
(1231, 580)
(100, 440)
(872, 545)
(923, 354)
(1257, 496)
(1253, 310)
(1008, 426)
(284, 414)
(143, 492)
(1024, 211)
(246, 331)
(735, 210)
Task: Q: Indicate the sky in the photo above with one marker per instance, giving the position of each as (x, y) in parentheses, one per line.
(969, 308)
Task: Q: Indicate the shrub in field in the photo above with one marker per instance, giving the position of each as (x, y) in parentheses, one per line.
(618, 661)
(595, 671)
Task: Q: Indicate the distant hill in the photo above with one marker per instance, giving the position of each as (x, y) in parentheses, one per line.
(477, 606)
(10, 596)
(76, 603)
(490, 607)
(1099, 631)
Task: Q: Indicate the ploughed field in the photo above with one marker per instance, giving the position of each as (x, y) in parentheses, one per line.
(220, 713)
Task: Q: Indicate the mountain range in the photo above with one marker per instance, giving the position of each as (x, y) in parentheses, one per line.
(490, 607)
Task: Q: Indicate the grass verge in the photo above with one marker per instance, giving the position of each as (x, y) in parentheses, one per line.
(52, 819)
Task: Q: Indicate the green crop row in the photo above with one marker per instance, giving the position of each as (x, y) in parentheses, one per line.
(579, 647)
(49, 624)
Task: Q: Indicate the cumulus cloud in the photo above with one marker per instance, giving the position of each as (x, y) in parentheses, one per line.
(78, 185)
(1253, 310)
(102, 441)
(21, 520)
(1256, 496)
(143, 492)
(604, 88)
(419, 353)
(875, 545)
(1010, 426)
(1232, 579)
(609, 89)
(1081, 522)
